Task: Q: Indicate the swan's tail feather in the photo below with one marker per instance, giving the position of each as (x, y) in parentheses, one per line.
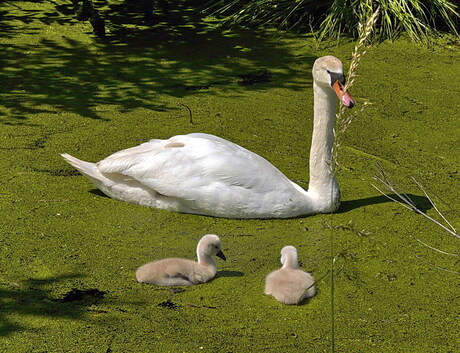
(114, 185)
(88, 169)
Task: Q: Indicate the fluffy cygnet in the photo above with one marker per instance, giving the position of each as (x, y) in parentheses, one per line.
(289, 284)
(183, 272)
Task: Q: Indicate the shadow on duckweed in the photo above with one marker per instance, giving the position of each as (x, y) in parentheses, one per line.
(34, 298)
(422, 202)
(229, 274)
(135, 65)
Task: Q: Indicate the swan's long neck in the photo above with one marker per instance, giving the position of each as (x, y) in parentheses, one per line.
(323, 186)
(206, 260)
(291, 261)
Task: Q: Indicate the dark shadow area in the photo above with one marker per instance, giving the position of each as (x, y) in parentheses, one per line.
(33, 298)
(98, 192)
(136, 64)
(168, 304)
(305, 301)
(58, 172)
(345, 206)
(422, 203)
(82, 296)
(229, 274)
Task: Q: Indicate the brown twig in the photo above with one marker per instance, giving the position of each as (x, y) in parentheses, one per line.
(189, 111)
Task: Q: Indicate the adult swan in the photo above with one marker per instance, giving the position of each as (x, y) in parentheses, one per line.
(204, 174)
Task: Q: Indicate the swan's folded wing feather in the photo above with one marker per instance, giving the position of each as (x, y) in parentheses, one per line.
(194, 166)
(120, 161)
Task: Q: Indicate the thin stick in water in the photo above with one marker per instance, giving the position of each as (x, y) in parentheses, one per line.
(189, 111)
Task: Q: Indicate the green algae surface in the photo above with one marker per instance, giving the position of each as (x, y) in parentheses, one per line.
(68, 254)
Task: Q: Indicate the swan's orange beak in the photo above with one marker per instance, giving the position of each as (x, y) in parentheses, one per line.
(344, 96)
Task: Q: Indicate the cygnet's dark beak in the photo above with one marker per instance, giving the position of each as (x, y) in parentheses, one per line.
(221, 255)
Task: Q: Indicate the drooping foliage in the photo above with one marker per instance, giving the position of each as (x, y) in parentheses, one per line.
(333, 18)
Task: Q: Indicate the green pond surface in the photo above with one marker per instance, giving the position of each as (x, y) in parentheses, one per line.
(68, 254)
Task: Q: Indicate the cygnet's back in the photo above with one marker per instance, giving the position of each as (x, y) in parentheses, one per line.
(289, 284)
(183, 272)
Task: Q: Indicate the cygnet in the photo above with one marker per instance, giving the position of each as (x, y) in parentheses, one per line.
(183, 272)
(289, 284)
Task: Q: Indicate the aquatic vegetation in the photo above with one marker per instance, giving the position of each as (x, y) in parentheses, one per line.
(398, 196)
(68, 255)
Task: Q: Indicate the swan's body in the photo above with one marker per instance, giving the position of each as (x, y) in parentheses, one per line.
(204, 174)
(289, 284)
(183, 272)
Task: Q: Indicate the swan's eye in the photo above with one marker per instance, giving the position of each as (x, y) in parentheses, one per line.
(336, 76)
(328, 71)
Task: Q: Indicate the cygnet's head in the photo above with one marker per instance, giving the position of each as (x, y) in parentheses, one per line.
(328, 74)
(210, 244)
(288, 252)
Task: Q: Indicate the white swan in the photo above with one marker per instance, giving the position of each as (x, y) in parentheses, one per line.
(289, 284)
(205, 174)
(183, 272)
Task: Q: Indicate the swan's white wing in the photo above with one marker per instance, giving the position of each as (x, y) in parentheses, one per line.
(183, 165)
(197, 167)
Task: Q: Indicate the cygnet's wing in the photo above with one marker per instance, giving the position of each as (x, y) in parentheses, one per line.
(166, 272)
(172, 272)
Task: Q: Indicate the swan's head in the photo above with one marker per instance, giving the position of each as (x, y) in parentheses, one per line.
(289, 256)
(210, 245)
(328, 73)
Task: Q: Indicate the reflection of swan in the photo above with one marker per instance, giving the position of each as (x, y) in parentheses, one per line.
(204, 174)
(289, 284)
(182, 272)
